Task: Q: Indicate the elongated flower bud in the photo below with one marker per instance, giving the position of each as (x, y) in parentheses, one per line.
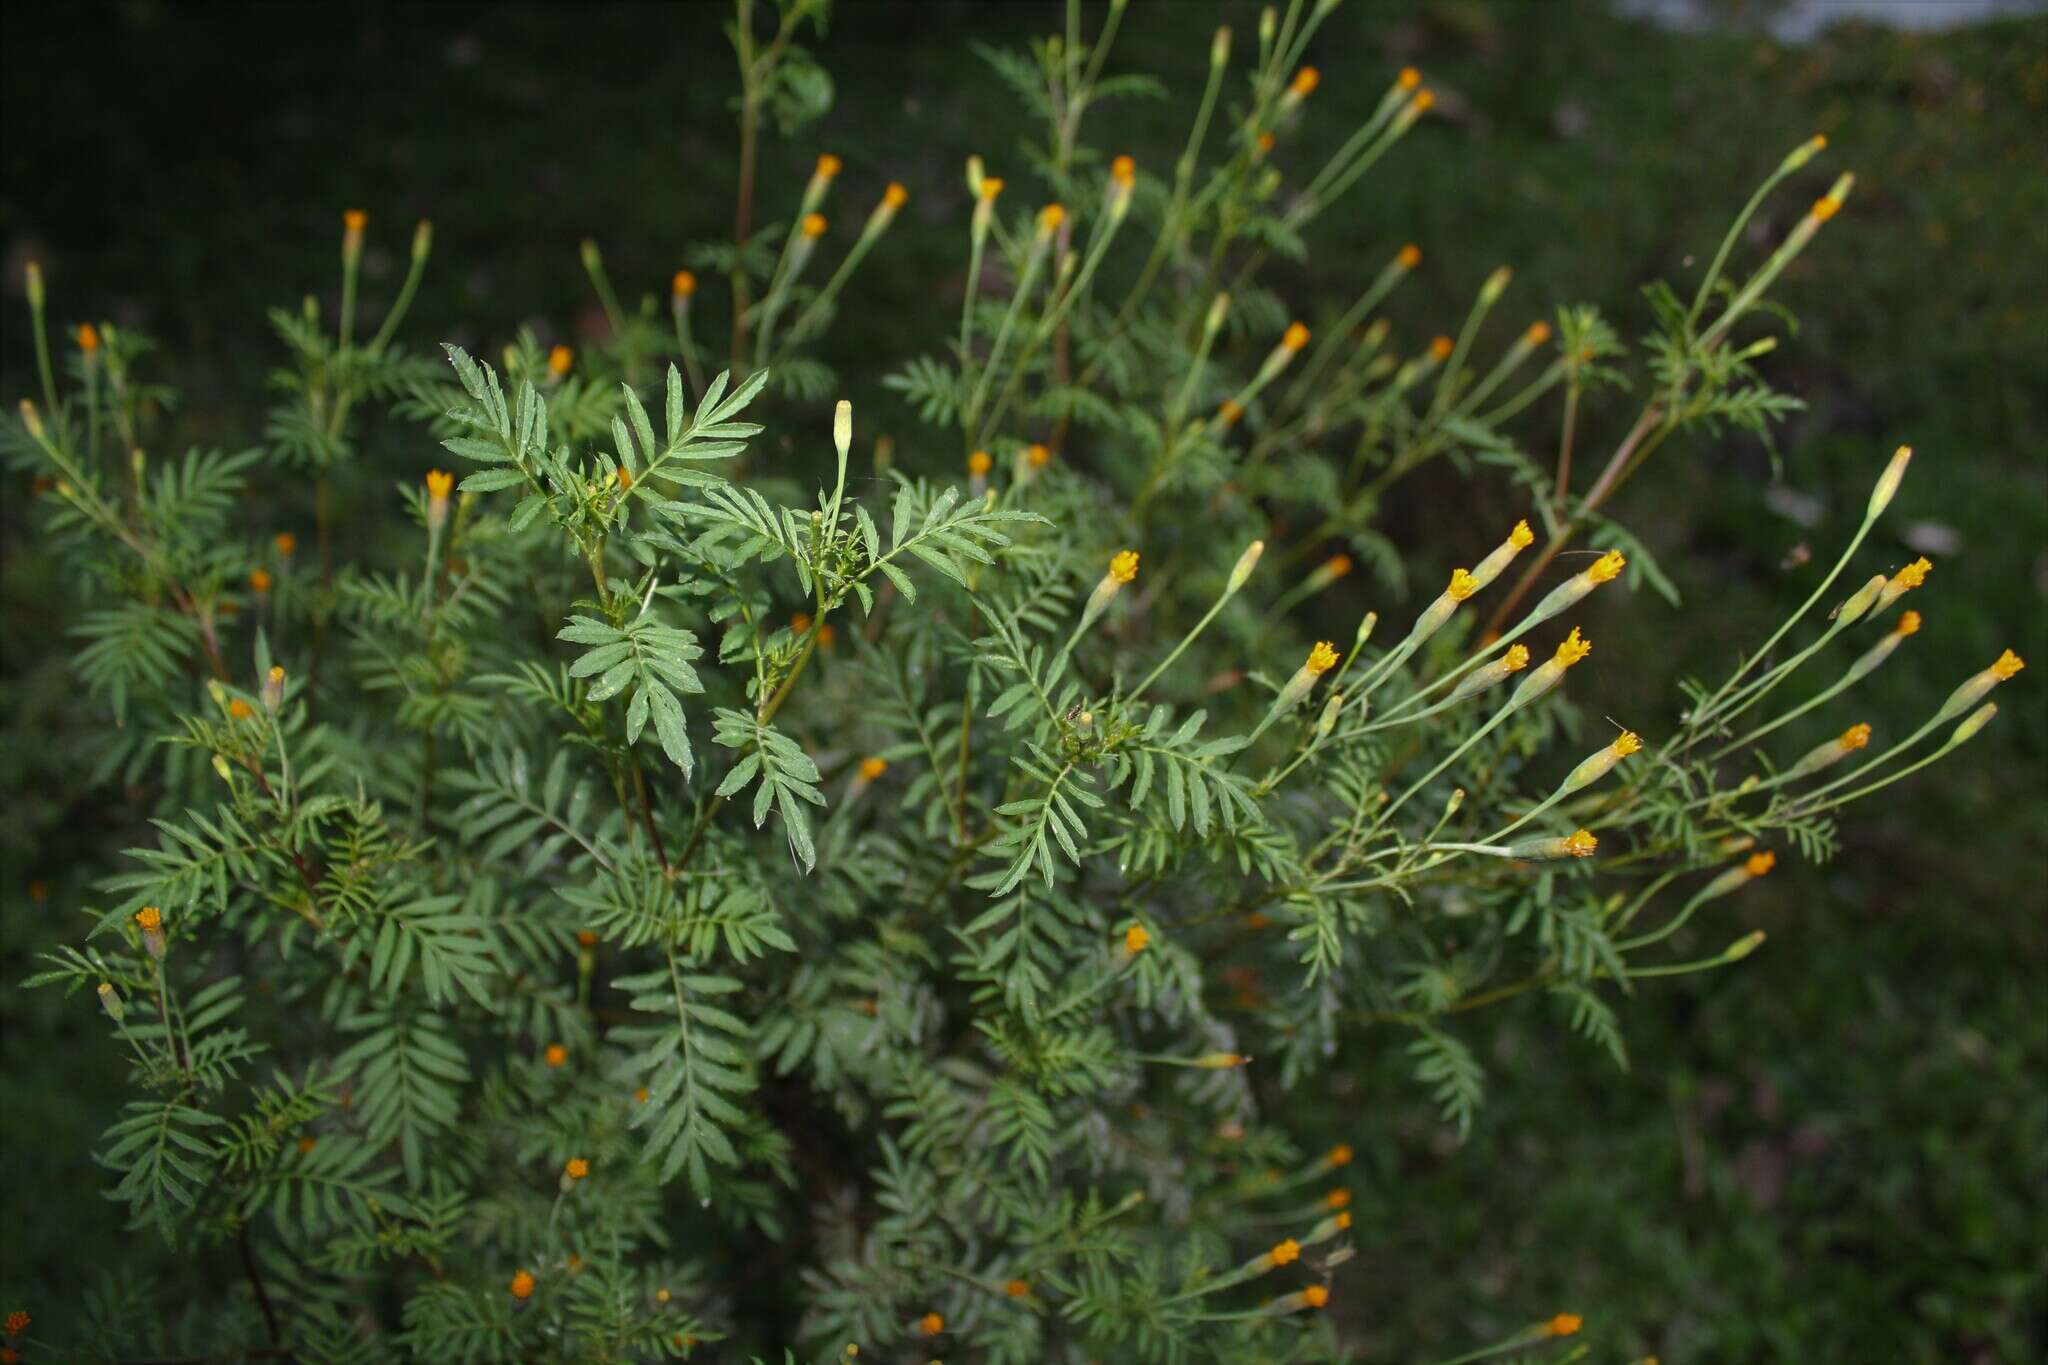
(150, 921)
(110, 1001)
(1364, 632)
(439, 486)
(1489, 568)
(1859, 602)
(1315, 1296)
(1551, 671)
(1328, 720)
(1601, 763)
(1492, 673)
(1578, 844)
(1803, 153)
(1320, 660)
(1246, 562)
(1283, 353)
(1888, 482)
(1743, 947)
(1972, 692)
(352, 224)
(1123, 567)
(1738, 876)
(1461, 586)
(1909, 624)
(1904, 581)
(1828, 754)
(1976, 721)
(273, 690)
(1568, 593)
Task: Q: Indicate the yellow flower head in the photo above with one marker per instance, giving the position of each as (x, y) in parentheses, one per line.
(1909, 623)
(556, 1054)
(991, 186)
(1574, 648)
(439, 485)
(1306, 80)
(1409, 78)
(560, 358)
(88, 338)
(1517, 658)
(1607, 567)
(1123, 566)
(979, 463)
(1135, 939)
(1296, 337)
(354, 221)
(2008, 664)
(1343, 1220)
(150, 919)
(1410, 256)
(1580, 843)
(287, 544)
(1424, 101)
(1463, 585)
(683, 284)
(1286, 1252)
(1912, 576)
(1537, 334)
(894, 196)
(1826, 207)
(814, 225)
(1315, 1296)
(1856, 736)
(259, 579)
(240, 710)
(932, 1324)
(828, 166)
(1336, 566)
(522, 1285)
(1016, 1289)
(872, 768)
(1322, 658)
(1050, 217)
(1337, 1199)
(1626, 743)
(1759, 863)
(1037, 455)
(1230, 410)
(1340, 1155)
(1521, 537)
(1440, 348)
(1123, 170)
(1564, 1325)
(576, 1168)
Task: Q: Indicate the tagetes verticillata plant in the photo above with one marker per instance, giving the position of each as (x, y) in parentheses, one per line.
(675, 904)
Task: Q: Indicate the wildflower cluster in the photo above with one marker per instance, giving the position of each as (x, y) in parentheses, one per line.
(465, 984)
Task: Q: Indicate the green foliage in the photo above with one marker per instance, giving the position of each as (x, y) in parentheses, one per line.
(548, 1053)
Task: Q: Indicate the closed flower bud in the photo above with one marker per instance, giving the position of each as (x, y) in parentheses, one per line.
(522, 1286)
(1888, 482)
(1803, 153)
(1605, 569)
(273, 690)
(1221, 1061)
(422, 239)
(1563, 1325)
(681, 286)
(1976, 721)
(31, 419)
(1859, 602)
(931, 1324)
(110, 1001)
(1246, 562)
(1743, 947)
(1364, 631)
(1049, 219)
(1327, 722)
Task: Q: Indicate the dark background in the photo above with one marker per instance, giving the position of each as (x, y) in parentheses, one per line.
(1835, 1152)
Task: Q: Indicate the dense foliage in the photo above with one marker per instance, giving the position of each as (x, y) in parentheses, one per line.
(468, 988)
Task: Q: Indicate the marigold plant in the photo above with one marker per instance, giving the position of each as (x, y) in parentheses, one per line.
(682, 907)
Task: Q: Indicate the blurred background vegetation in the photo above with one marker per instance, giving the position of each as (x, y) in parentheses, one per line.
(1838, 1151)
